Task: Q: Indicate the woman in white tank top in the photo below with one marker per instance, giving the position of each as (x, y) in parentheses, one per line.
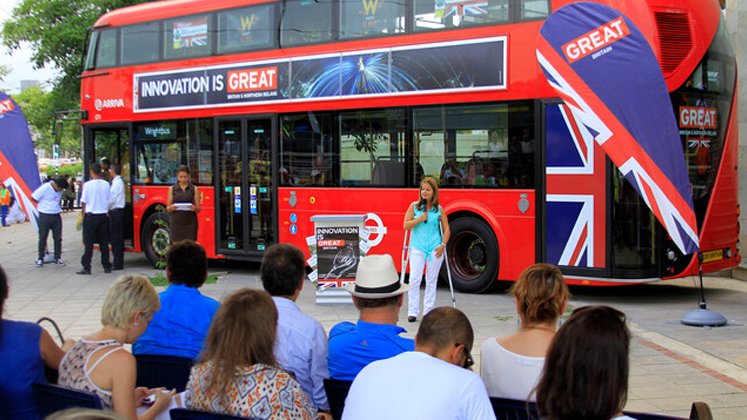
(99, 364)
(511, 366)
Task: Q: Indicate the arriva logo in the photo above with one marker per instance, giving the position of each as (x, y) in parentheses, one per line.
(108, 103)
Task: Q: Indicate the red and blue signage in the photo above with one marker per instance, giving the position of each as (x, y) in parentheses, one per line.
(604, 70)
(18, 168)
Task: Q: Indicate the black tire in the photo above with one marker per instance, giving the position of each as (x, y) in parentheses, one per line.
(473, 255)
(156, 238)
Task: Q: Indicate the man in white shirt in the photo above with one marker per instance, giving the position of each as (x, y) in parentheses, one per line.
(47, 198)
(95, 203)
(301, 346)
(116, 216)
(432, 382)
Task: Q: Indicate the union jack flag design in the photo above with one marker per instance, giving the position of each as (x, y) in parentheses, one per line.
(575, 192)
(18, 168)
(602, 67)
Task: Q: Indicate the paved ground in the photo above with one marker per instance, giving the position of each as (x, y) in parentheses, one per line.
(672, 365)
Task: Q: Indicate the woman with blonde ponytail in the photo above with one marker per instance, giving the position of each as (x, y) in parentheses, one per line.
(512, 365)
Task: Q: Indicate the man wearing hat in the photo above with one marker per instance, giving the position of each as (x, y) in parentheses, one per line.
(378, 295)
(47, 198)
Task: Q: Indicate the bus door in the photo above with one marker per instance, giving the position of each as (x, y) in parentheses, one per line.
(245, 186)
(573, 231)
(112, 142)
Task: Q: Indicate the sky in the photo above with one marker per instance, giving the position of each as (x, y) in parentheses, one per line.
(20, 60)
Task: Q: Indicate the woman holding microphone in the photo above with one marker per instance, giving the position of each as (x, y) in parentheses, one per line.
(427, 244)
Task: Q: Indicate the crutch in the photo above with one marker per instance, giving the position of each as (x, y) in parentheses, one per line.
(405, 257)
(448, 269)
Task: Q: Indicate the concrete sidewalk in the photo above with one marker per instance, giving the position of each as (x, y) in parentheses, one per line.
(672, 365)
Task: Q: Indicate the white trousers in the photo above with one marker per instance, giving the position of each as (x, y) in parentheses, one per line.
(432, 267)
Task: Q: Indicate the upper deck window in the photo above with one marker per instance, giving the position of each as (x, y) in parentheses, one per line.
(137, 45)
(102, 50)
(307, 22)
(246, 29)
(187, 36)
(533, 9)
(449, 14)
(368, 18)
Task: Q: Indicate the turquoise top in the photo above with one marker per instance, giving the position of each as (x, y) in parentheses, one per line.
(426, 236)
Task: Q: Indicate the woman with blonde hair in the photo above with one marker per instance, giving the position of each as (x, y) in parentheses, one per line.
(98, 363)
(427, 245)
(237, 373)
(511, 366)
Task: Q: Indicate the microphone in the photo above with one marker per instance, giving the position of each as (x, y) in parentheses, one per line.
(424, 206)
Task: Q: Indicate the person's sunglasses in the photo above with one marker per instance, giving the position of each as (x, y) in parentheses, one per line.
(468, 361)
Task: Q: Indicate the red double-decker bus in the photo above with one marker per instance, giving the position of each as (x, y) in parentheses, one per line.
(288, 109)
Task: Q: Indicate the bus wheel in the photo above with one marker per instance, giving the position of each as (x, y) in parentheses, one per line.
(473, 255)
(156, 238)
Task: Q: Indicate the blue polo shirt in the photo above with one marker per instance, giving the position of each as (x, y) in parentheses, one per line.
(353, 346)
(179, 328)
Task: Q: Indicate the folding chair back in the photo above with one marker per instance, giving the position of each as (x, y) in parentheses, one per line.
(155, 371)
(337, 391)
(508, 409)
(52, 398)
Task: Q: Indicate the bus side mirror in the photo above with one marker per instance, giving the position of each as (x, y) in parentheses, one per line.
(57, 132)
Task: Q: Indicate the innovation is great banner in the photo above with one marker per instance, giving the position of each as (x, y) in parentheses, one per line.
(428, 68)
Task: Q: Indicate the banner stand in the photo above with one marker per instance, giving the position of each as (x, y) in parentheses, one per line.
(338, 242)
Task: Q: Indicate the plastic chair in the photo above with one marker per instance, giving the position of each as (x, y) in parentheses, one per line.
(337, 391)
(170, 372)
(52, 374)
(186, 414)
(52, 398)
(508, 409)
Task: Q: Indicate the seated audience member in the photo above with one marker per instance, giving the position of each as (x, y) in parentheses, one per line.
(25, 348)
(432, 382)
(586, 371)
(99, 364)
(237, 373)
(377, 293)
(180, 326)
(301, 346)
(512, 365)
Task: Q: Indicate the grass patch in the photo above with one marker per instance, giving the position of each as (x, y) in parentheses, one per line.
(503, 318)
(161, 280)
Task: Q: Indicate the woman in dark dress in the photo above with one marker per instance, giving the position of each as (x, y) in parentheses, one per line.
(183, 204)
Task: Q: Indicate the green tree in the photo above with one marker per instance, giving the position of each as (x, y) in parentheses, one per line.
(56, 31)
(38, 106)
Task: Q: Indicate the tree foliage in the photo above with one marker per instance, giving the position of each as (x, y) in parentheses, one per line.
(38, 106)
(56, 31)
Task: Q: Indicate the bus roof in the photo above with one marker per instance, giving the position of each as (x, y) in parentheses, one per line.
(166, 9)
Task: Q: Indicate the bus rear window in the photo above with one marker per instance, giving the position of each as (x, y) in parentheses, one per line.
(137, 44)
(368, 18)
(246, 29)
(187, 37)
(307, 22)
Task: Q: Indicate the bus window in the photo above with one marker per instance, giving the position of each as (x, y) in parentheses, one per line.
(307, 153)
(246, 29)
(447, 14)
(137, 44)
(200, 150)
(372, 147)
(480, 146)
(91, 56)
(534, 9)
(307, 22)
(159, 150)
(367, 18)
(187, 36)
